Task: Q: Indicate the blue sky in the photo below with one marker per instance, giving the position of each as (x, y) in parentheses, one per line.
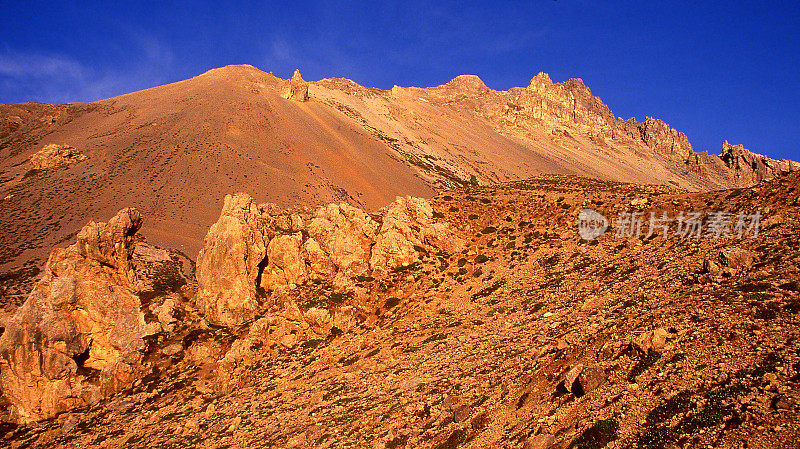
(714, 71)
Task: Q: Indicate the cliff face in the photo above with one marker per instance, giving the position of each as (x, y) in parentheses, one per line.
(750, 168)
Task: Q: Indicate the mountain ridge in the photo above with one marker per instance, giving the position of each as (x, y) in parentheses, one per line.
(174, 151)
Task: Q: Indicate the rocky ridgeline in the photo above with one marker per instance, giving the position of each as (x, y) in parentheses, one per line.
(572, 105)
(751, 168)
(570, 109)
(105, 305)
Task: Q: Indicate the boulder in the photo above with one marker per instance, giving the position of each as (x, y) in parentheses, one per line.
(736, 258)
(654, 340)
(80, 334)
(54, 156)
(582, 379)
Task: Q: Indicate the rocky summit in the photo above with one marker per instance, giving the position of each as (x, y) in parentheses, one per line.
(478, 318)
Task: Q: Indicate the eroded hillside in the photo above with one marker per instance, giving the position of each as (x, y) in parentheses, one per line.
(516, 334)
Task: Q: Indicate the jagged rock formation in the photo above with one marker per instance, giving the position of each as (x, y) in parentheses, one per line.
(659, 136)
(227, 266)
(750, 168)
(256, 249)
(81, 334)
(295, 88)
(54, 155)
(554, 104)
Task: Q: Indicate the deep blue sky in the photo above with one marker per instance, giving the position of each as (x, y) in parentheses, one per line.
(713, 70)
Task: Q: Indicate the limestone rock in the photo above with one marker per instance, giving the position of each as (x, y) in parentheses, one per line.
(79, 335)
(54, 155)
(111, 244)
(260, 250)
(295, 88)
(400, 234)
(320, 265)
(346, 234)
(319, 320)
(228, 264)
(285, 263)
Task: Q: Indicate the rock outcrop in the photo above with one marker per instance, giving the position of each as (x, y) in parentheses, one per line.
(750, 168)
(83, 331)
(659, 136)
(80, 334)
(295, 88)
(571, 105)
(402, 234)
(54, 156)
(257, 249)
(228, 264)
(556, 105)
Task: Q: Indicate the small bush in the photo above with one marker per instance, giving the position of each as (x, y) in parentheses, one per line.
(597, 436)
(656, 438)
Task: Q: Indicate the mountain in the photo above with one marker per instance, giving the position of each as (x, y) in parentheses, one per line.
(174, 151)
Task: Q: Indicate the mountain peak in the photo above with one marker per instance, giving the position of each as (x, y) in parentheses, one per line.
(296, 76)
(540, 81)
(468, 83)
(234, 69)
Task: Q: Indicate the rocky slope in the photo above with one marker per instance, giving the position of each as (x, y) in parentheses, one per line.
(175, 151)
(511, 331)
